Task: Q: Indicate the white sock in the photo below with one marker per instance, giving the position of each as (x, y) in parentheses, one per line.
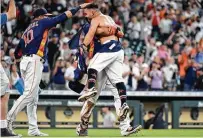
(3, 123)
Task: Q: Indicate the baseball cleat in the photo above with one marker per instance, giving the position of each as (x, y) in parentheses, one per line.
(80, 131)
(39, 134)
(87, 94)
(6, 133)
(123, 112)
(131, 130)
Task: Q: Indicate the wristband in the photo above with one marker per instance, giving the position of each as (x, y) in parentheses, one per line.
(84, 46)
(75, 10)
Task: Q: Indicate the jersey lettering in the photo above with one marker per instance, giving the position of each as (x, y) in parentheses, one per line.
(112, 46)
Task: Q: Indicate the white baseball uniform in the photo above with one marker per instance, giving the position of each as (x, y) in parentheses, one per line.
(31, 71)
(109, 60)
(102, 80)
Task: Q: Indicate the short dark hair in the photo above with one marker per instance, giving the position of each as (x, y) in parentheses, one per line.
(92, 6)
(151, 112)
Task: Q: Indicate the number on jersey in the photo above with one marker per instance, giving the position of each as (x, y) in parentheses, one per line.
(28, 37)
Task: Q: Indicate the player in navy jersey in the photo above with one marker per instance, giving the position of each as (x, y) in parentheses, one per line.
(33, 45)
(11, 14)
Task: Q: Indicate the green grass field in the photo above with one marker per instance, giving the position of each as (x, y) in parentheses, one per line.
(68, 133)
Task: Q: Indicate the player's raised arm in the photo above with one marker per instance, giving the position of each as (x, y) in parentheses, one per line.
(51, 22)
(91, 33)
(11, 14)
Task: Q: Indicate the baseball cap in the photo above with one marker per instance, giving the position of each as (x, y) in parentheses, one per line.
(41, 11)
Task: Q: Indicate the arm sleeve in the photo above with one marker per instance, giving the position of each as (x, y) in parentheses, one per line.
(3, 18)
(51, 22)
(19, 49)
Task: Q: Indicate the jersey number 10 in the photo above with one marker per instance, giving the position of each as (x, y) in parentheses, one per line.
(28, 37)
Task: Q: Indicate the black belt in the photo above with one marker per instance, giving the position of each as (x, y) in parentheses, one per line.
(31, 55)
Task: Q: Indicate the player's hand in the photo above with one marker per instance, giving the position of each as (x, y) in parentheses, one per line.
(84, 5)
(82, 49)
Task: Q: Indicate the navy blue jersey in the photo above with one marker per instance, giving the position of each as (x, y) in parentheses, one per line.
(35, 36)
(3, 18)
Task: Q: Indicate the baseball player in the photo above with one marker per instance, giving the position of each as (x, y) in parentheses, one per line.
(11, 14)
(35, 39)
(32, 106)
(78, 86)
(109, 58)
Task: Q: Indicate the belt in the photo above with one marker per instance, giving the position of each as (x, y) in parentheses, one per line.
(31, 55)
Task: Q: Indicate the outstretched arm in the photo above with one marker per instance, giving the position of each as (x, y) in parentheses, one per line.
(11, 14)
(51, 22)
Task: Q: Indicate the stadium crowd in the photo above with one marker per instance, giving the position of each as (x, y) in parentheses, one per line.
(163, 42)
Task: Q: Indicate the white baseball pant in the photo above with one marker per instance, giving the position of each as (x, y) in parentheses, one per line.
(88, 106)
(31, 71)
(4, 81)
(32, 116)
(111, 63)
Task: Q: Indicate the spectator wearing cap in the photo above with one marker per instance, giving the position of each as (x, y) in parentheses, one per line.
(58, 75)
(53, 50)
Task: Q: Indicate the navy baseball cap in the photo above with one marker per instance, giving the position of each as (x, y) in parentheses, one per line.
(41, 11)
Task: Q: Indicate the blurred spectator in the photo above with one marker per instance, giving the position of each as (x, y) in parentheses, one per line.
(127, 50)
(54, 7)
(134, 29)
(58, 75)
(126, 71)
(155, 23)
(199, 81)
(53, 50)
(191, 75)
(157, 77)
(170, 74)
(109, 117)
(155, 120)
(14, 74)
(69, 73)
(46, 72)
(165, 27)
(144, 79)
(183, 63)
